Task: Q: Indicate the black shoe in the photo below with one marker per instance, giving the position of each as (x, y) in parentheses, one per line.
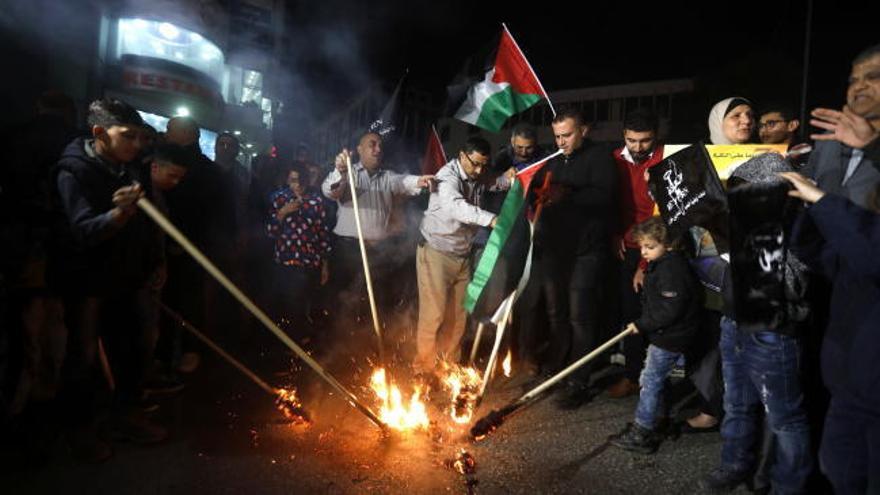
(133, 426)
(163, 385)
(723, 480)
(636, 439)
(573, 397)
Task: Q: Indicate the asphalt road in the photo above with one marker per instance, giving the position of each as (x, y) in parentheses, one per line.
(227, 437)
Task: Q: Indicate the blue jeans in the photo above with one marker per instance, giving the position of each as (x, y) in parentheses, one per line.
(762, 368)
(658, 365)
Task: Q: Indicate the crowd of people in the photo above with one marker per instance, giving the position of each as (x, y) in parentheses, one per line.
(86, 272)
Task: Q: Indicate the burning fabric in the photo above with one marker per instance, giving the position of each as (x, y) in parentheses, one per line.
(463, 384)
(289, 404)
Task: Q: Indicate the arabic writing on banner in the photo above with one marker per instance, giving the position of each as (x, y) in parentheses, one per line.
(726, 157)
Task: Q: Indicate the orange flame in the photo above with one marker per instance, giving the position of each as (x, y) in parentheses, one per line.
(393, 412)
(289, 404)
(463, 384)
(505, 365)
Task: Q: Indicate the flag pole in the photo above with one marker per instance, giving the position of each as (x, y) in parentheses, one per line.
(507, 308)
(157, 216)
(516, 45)
(476, 343)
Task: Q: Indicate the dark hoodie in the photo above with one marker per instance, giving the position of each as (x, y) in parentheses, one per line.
(93, 255)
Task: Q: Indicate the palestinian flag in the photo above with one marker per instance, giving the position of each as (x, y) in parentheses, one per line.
(435, 156)
(495, 86)
(503, 267)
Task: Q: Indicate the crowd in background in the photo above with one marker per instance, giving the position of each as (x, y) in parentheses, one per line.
(86, 273)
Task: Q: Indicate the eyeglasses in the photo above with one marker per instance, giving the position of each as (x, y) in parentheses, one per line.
(770, 123)
(474, 164)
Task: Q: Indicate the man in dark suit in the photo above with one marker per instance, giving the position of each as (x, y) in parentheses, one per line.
(838, 168)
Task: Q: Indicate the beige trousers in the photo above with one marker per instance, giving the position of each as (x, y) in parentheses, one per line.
(442, 280)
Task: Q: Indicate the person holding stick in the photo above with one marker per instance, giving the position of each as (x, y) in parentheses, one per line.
(101, 265)
(377, 189)
(574, 236)
(670, 319)
(443, 259)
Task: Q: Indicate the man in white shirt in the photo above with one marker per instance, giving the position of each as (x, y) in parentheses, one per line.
(443, 259)
(376, 188)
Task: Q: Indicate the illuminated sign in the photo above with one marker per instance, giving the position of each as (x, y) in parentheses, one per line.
(166, 41)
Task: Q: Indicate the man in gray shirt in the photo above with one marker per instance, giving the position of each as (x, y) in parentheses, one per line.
(376, 189)
(443, 259)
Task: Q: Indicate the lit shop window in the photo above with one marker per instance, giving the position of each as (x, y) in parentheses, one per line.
(252, 87)
(207, 138)
(266, 106)
(244, 86)
(169, 42)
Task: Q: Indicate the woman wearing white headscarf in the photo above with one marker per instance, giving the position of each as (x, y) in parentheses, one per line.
(731, 121)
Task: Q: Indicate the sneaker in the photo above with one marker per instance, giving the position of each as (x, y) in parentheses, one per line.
(677, 373)
(85, 445)
(162, 385)
(636, 439)
(189, 362)
(133, 426)
(623, 388)
(723, 480)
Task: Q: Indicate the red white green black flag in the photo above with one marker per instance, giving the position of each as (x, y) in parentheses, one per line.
(494, 87)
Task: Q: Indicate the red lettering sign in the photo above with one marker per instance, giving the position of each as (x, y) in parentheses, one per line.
(148, 80)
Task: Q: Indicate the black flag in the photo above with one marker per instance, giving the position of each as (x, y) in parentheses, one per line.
(688, 193)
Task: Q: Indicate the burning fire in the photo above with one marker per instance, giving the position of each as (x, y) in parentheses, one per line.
(505, 365)
(464, 385)
(288, 403)
(393, 412)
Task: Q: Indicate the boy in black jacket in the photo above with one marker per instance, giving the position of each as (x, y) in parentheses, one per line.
(671, 305)
(102, 263)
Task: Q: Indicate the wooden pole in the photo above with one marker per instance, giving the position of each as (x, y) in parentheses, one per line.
(488, 423)
(157, 216)
(367, 276)
(216, 348)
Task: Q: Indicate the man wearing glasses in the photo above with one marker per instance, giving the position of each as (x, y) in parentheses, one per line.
(443, 259)
(778, 125)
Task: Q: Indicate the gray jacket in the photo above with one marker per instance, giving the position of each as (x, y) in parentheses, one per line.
(827, 166)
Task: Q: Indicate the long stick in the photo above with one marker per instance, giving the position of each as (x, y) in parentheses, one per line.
(216, 348)
(494, 419)
(367, 276)
(476, 343)
(178, 236)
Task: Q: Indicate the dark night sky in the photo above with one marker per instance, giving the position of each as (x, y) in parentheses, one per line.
(338, 47)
